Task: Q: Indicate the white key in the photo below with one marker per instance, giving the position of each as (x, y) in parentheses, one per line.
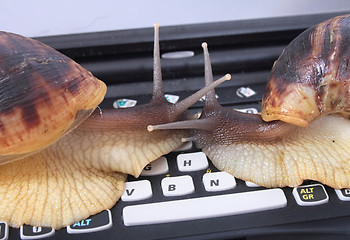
(157, 167)
(206, 207)
(245, 92)
(218, 181)
(172, 98)
(124, 103)
(188, 162)
(251, 184)
(137, 190)
(248, 110)
(177, 186)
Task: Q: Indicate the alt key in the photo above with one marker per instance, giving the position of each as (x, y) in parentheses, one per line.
(98, 222)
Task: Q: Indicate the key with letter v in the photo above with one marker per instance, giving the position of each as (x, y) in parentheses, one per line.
(137, 190)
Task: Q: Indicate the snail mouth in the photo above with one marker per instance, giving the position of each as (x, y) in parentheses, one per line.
(295, 120)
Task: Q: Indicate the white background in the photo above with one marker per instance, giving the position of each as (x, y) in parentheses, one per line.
(48, 17)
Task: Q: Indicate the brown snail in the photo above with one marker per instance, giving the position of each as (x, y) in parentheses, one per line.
(61, 167)
(309, 80)
(311, 77)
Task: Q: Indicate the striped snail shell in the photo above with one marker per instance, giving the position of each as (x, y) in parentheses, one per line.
(43, 94)
(311, 77)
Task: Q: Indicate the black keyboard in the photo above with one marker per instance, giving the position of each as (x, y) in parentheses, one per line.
(182, 195)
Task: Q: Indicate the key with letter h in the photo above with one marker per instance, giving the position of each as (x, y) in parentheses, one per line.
(188, 162)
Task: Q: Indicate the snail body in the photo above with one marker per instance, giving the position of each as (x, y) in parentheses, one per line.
(314, 141)
(80, 169)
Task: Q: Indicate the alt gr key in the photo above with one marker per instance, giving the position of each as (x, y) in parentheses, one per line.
(310, 195)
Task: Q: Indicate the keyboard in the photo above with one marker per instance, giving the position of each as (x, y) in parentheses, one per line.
(182, 195)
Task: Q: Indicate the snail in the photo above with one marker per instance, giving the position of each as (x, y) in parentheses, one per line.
(62, 158)
(307, 104)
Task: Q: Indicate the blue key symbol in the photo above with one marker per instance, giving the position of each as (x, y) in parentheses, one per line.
(82, 223)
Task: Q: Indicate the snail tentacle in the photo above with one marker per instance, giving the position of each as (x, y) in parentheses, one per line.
(158, 93)
(239, 126)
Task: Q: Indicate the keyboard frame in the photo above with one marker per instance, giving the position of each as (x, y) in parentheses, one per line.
(246, 49)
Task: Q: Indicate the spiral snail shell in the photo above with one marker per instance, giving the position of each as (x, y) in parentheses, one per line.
(311, 78)
(37, 82)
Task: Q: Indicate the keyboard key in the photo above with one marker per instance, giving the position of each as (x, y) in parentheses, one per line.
(245, 92)
(248, 110)
(157, 167)
(251, 184)
(205, 207)
(188, 162)
(177, 186)
(218, 181)
(4, 231)
(343, 194)
(137, 190)
(124, 103)
(30, 232)
(310, 195)
(98, 222)
(172, 98)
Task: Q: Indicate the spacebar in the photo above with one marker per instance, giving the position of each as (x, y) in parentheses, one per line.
(204, 207)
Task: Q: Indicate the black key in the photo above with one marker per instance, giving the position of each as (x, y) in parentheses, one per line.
(30, 232)
(4, 231)
(98, 222)
(310, 195)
